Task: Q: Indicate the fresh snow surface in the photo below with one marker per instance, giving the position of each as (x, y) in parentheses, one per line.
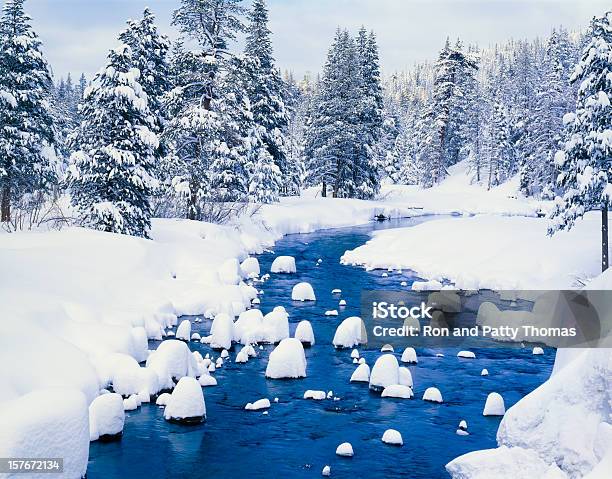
(184, 330)
(342, 302)
(186, 401)
(326, 471)
(484, 372)
(494, 406)
(504, 261)
(387, 348)
(345, 449)
(162, 399)
(303, 292)
(249, 327)
(336, 291)
(361, 374)
(405, 376)
(106, 416)
(433, 395)
(466, 355)
(537, 351)
(250, 267)
(349, 333)
(331, 312)
(393, 437)
(130, 403)
(222, 332)
(385, 372)
(287, 360)
(258, 405)
(304, 333)
(431, 285)
(172, 359)
(316, 395)
(397, 391)
(207, 380)
(409, 356)
(283, 264)
(275, 325)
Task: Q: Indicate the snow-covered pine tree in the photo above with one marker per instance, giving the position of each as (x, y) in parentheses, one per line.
(112, 181)
(585, 163)
(26, 120)
(501, 151)
(265, 184)
(265, 89)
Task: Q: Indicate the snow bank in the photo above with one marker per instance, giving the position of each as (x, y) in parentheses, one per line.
(504, 261)
(47, 423)
(186, 403)
(397, 391)
(250, 268)
(184, 330)
(304, 333)
(494, 406)
(287, 360)
(432, 395)
(258, 405)
(349, 333)
(106, 417)
(172, 360)
(283, 264)
(393, 437)
(303, 292)
(222, 332)
(384, 373)
(361, 374)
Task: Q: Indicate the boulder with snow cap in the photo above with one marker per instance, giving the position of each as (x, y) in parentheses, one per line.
(283, 264)
(384, 373)
(106, 418)
(303, 292)
(287, 361)
(186, 404)
(305, 334)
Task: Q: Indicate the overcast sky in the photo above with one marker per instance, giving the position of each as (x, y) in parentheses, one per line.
(77, 34)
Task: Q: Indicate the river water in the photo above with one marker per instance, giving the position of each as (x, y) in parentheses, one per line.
(298, 437)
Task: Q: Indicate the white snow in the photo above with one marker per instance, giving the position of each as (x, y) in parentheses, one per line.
(409, 356)
(184, 330)
(387, 348)
(106, 416)
(361, 374)
(275, 325)
(484, 372)
(494, 405)
(342, 302)
(162, 399)
(349, 333)
(432, 394)
(393, 437)
(303, 292)
(207, 380)
(283, 264)
(397, 391)
(355, 354)
(287, 360)
(431, 285)
(345, 449)
(250, 267)
(195, 336)
(130, 403)
(326, 471)
(331, 312)
(405, 376)
(537, 351)
(466, 355)
(258, 405)
(336, 291)
(249, 327)
(304, 333)
(222, 332)
(316, 395)
(186, 401)
(172, 359)
(385, 372)
(229, 272)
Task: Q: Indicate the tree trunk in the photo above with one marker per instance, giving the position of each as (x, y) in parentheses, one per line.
(5, 208)
(604, 238)
(324, 190)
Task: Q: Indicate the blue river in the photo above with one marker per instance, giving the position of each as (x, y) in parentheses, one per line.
(298, 437)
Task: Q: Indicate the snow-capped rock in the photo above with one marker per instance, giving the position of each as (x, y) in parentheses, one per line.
(222, 332)
(361, 361)
(355, 354)
(229, 272)
(336, 291)
(384, 373)
(195, 336)
(393, 437)
(361, 374)
(326, 472)
(130, 403)
(250, 267)
(397, 391)
(349, 333)
(258, 405)
(305, 334)
(342, 302)
(494, 405)
(537, 351)
(409, 356)
(331, 312)
(466, 355)
(172, 360)
(256, 301)
(249, 327)
(384, 275)
(405, 376)
(431, 285)
(462, 430)
(345, 450)
(387, 348)
(207, 380)
(186, 403)
(303, 292)
(106, 417)
(432, 395)
(224, 354)
(162, 399)
(183, 332)
(283, 264)
(316, 395)
(275, 325)
(484, 372)
(287, 360)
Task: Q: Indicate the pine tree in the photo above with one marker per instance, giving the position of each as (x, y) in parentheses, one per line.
(585, 163)
(265, 89)
(26, 120)
(112, 171)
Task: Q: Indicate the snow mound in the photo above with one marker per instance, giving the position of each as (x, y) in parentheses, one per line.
(287, 360)
(162, 399)
(207, 380)
(221, 332)
(131, 403)
(361, 374)
(409, 356)
(494, 405)
(405, 377)
(387, 348)
(393, 437)
(250, 268)
(331, 312)
(275, 325)
(47, 423)
(466, 355)
(195, 336)
(326, 472)
(349, 333)
(355, 354)
(397, 391)
(106, 416)
(431, 285)
(484, 372)
(336, 291)
(172, 360)
(537, 351)
(283, 264)
(258, 405)
(184, 330)
(186, 403)
(229, 272)
(342, 302)
(304, 333)
(345, 450)
(303, 292)
(249, 327)
(432, 395)
(384, 373)
(316, 395)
